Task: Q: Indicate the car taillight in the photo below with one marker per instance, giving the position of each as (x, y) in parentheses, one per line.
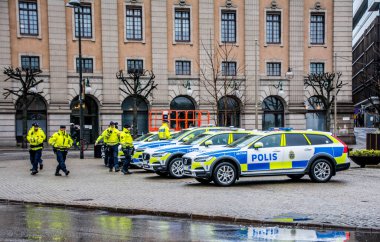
(345, 147)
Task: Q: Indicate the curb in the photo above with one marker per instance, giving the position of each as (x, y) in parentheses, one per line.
(199, 217)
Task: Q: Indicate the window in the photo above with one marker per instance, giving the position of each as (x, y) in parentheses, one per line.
(86, 22)
(228, 33)
(182, 25)
(273, 27)
(135, 66)
(317, 28)
(274, 69)
(28, 17)
(316, 139)
(271, 141)
(182, 68)
(229, 68)
(87, 65)
(221, 139)
(30, 63)
(317, 68)
(238, 136)
(295, 140)
(134, 23)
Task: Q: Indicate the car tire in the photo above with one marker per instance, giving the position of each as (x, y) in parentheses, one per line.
(296, 177)
(161, 173)
(175, 168)
(321, 171)
(224, 174)
(204, 180)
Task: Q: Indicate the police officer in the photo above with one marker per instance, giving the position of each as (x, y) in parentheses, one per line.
(75, 135)
(36, 137)
(126, 142)
(61, 141)
(112, 136)
(164, 131)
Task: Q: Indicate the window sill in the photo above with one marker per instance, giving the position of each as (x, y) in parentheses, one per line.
(183, 43)
(274, 45)
(19, 36)
(317, 45)
(134, 41)
(84, 39)
(229, 44)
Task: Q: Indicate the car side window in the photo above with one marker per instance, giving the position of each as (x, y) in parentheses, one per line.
(271, 141)
(238, 136)
(316, 139)
(295, 140)
(221, 139)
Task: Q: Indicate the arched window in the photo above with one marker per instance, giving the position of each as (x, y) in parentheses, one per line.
(142, 113)
(229, 111)
(91, 117)
(180, 118)
(316, 114)
(273, 113)
(36, 113)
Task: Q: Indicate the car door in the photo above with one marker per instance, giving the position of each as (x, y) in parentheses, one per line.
(297, 151)
(262, 159)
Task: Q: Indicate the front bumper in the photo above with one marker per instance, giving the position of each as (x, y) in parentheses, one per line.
(342, 167)
(153, 167)
(197, 173)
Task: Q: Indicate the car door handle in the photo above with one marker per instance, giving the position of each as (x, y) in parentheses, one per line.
(308, 149)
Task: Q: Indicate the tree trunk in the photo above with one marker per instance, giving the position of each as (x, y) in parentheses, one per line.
(134, 122)
(328, 120)
(24, 122)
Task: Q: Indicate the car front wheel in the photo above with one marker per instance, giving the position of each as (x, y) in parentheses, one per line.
(176, 168)
(321, 171)
(224, 174)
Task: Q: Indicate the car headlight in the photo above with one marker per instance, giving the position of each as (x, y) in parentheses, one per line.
(161, 154)
(140, 150)
(202, 158)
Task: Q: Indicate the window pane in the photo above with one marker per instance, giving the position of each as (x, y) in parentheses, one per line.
(133, 23)
(229, 68)
(295, 140)
(221, 139)
(87, 65)
(318, 139)
(134, 66)
(317, 28)
(30, 62)
(238, 136)
(317, 68)
(271, 141)
(86, 22)
(182, 25)
(28, 18)
(228, 26)
(183, 67)
(273, 31)
(273, 69)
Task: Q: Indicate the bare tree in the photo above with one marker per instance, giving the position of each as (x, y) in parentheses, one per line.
(137, 89)
(324, 87)
(220, 78)
(25, 92)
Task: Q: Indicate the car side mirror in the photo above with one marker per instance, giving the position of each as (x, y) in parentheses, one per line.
(150, 139)
(208, 142)
(258, 145)
(186, 139)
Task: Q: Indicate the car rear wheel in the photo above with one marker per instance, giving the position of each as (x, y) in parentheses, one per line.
(176, 168)
(224, 174)
(296, 176)
(321, 171)
(204, 180)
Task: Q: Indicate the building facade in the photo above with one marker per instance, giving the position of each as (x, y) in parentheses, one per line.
(174, 39)
(365, 62)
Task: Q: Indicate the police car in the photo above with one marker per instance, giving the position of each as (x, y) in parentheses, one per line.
(177, 138)
(168, 159)
(285, 152)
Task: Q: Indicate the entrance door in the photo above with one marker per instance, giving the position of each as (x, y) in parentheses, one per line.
(273, 113)
(142, 113)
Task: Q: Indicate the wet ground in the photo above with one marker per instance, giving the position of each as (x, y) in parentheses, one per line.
(38, 223)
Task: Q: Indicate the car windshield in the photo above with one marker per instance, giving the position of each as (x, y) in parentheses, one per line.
(142, 137)
(244, 141)
(176, 135)
(196, 139)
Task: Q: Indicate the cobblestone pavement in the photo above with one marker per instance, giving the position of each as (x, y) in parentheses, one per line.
(350, 199)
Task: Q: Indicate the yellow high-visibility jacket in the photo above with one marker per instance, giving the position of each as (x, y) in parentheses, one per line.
(36, 138)
(126, 139)
(164, 132)
(61, 140)
(110, 136)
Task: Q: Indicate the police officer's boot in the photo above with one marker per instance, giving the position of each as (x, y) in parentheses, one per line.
(57, 171)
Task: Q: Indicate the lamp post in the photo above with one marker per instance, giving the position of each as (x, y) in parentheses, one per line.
(187, 85)
(256, 86)
(75, 4)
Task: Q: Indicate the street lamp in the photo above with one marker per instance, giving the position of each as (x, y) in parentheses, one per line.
(279, 88)
(187, 85)
(76, 4)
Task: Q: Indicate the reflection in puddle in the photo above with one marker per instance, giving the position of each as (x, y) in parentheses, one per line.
(18, 222)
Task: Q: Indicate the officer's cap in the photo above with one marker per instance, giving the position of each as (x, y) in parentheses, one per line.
(62, 127)
(112, 123)
(127, 126)
(35, 124)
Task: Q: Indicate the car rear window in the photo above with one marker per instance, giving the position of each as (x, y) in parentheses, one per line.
(295, 140)
(317, 139)
(239, 135)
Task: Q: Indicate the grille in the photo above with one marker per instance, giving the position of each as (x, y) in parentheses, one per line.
(145, 156)
(186, 161)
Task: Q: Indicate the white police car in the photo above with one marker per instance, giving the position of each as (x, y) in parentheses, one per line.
(285, 152)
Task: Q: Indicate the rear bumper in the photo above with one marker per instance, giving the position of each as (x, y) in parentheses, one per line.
(342, 167)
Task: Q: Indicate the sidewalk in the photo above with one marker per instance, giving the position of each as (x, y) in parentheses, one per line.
(341, 202)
